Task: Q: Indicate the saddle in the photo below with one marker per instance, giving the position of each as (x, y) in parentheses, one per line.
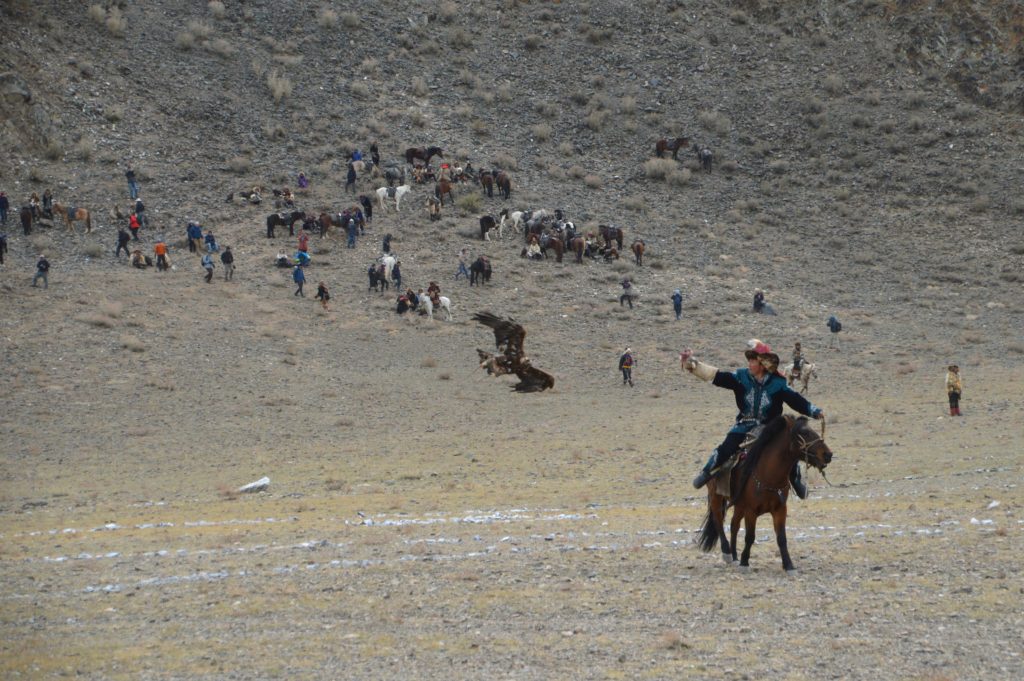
(723, 474)
(391, 192)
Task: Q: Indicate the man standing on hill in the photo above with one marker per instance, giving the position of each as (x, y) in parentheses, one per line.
(195, 236)
(954, 386)
(3, 246)
(626, 363)
(299, 277)
(227, 258)
(677, 303)
(5, 205)
(133, 185)
(208, 266)
(42, 272)
(160, 251)
(627, 293)
(123, 237)
(350, 178)
(834, 327)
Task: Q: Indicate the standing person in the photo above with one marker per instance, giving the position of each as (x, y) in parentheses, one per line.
(760, 392)
(5, 205)
(299, 277)
(160, 251)
(323, 295)
(227, 258)
(123, 237)
(195, 236)
(627, 293)
(798, 363)
(211, 242)
(374, 154)
(367, 205)
(42, 272)
(462, 271)
(133, 226)
(954, 386)
(303, 182)
(626, 363)
(396, 274)
(351, 230)
(350, 178)
(140, 212)
(48, 204)
(3, 246)
(371, 273)
(208, 266)
(133, 185)
(834, 327)
(304, 241)
(386, 244)
(677, 303)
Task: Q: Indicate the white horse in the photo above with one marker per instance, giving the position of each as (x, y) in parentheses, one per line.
(398, 192)
(807, 371)
(428, 305)
(515, 216)
(389, 263)
(446, 305)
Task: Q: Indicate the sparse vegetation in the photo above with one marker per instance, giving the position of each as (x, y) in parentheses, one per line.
(280, 86)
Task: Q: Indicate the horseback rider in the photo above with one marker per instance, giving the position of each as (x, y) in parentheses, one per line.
(760, 393)
(798, 362)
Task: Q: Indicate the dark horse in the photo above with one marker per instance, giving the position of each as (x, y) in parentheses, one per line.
(487, 223)
(442, 188)
(487, 182)
(673, 144)
(275, 219)
(26, 219)
(480, 271)
(504, 183)
(611, 233)
(554, 243)
(760, 484)
(638, 249)
(705, 156)
(578, 245)
(423, 154)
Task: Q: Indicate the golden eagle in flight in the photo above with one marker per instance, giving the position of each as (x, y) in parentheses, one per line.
(508, 339)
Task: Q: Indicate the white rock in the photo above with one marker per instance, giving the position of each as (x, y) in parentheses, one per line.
(257, 486)
(993, 504)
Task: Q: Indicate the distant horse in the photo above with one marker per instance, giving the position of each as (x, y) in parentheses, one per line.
(673, 144)
(487, 223)
(72, 215)
(442, 188)
(578, 245)
(26, 219)
(389, 264)
(423, 154)
(363, 168)
(610, 233)
(555, 244)
(275, 219)
(394, 174)
(445, 304)
(704, 156)
(487, 182)
(480, 271)
(516, 216)
(807, 371)
(504, 183)
(396, 192)
(638, 249)
(760, 484)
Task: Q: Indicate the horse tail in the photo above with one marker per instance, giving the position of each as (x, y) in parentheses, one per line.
(708, 532)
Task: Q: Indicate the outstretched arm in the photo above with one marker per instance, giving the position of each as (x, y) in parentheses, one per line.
(704, 372)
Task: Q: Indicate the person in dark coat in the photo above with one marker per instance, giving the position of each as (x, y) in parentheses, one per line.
(123, 237)
(299, 277)
(350, 178)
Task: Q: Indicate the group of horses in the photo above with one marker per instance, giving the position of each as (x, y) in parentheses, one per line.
(674, 144)
(551, 231)
(68, 215)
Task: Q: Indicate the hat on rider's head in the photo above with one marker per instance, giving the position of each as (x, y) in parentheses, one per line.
(627, 350)
(756, 348)
(953, 367)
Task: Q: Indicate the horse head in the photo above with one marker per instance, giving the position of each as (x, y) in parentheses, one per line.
(809, 445)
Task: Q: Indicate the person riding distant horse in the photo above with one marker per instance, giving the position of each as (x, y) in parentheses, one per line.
(760, 392)
(798, 362)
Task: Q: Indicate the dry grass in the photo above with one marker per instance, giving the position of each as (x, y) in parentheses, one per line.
(217, 9)
(97, 14)
(542, 132)
(714, 121)
(593, 181)
(279, 86)
(419, 86)
(132, 343)
(327, 18)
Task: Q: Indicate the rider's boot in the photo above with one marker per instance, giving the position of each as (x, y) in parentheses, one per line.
(796, 479)
(705, 474)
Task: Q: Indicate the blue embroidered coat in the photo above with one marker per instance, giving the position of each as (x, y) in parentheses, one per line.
(761, 401)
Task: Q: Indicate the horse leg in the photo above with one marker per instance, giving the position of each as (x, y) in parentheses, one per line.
(779, 520)
(749, 527)
(717, 508)
(735, 530)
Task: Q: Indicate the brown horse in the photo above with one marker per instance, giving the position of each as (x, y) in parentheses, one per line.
(760, 484)
(325, 221)
(26, 219)
(504, 183)
(72, 215)
(555, 244)
(673, 144)
(423, 154)
(578, 245)
(611, 233)
(638, 249)
(442, 188)
(487, 182)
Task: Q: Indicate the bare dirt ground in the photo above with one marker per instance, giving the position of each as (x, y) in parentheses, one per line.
(422, 521)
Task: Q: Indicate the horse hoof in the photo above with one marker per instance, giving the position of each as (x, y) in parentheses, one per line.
(791, 571)
(727, 559)
(743, 567)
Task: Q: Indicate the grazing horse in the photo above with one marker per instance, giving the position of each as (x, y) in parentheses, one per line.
(704, 156)
(487, 223)
(516, 216)
(760, 484)
(578, 245)
(423, 154)
(673, 144)
(396, 192)
(610, 233)
(807, 371)
(71, 215)
(388, 261)
(487, 182)
(638, 249)
(480, 271)
(445, 303)
(394, 174)
(275, 219)
(442, 188)
(504, 183)
(554, 243)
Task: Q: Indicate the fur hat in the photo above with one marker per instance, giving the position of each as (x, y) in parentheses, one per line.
(627, 350)
(953, 367)
(756, 348)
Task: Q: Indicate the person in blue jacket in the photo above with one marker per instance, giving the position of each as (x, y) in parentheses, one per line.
(299, 277)
(760, 391)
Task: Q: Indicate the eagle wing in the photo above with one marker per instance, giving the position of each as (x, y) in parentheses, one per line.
(507, 333)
